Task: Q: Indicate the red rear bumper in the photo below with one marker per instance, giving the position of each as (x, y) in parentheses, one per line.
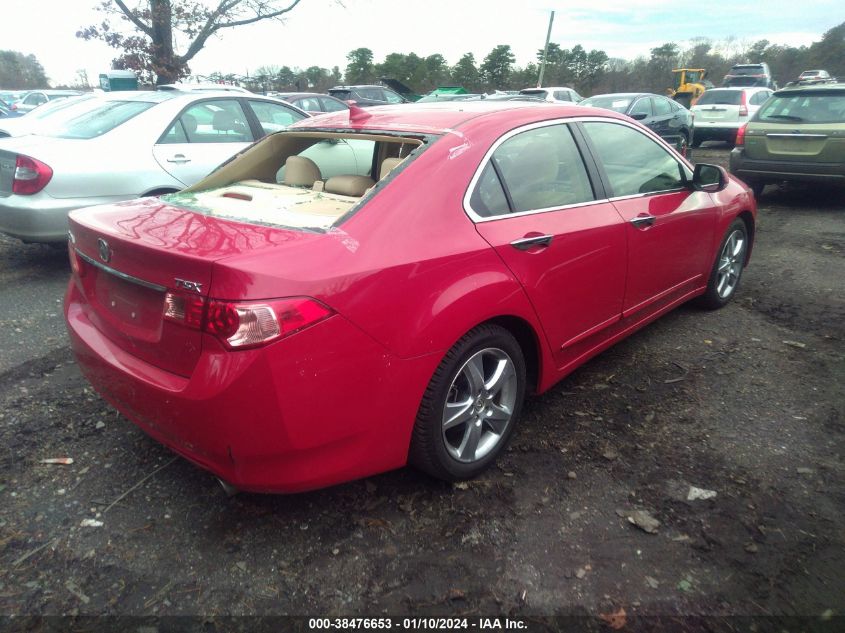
(323, 406)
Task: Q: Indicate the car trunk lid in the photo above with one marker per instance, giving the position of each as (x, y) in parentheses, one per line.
(818, 143)
(134, 257)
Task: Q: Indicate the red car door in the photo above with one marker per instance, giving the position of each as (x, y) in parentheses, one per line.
(670, 227)
(534, 203)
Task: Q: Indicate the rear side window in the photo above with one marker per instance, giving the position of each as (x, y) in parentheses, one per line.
(804, 108)
(312, 104)
(643, 167)
(720, 97)
(221, 121)
(539, 169)
(330, 105)
(562, 95)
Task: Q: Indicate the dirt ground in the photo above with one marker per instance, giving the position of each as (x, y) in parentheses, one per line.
(747, 402)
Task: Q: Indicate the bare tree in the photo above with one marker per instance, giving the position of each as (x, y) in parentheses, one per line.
(150, 49)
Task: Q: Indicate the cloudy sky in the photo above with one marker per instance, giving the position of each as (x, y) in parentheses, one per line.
(321, 32)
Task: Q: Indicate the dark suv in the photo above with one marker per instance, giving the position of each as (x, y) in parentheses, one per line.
(749, 76)
(367, 95)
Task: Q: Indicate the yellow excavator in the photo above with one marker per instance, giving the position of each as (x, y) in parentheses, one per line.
(689, 85)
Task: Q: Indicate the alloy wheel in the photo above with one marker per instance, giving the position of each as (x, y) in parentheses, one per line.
(730, 264)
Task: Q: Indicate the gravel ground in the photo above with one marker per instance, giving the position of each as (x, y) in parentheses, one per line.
(747, 402)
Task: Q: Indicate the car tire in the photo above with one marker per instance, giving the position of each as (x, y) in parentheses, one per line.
(695, 142)
(756, 188)
(470, 407)
(727, 269)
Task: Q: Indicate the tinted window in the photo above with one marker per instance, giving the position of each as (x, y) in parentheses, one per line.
(804, 108)
(95, 121)
(641, 106)
(720, 97)
(488, 198)
(747, 70)
(542, 169)
(644, 166)
(661, 106)
(343, 95)
(274, 117)
(374, 94)
(562, 95)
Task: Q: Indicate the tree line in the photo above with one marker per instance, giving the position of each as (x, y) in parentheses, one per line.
(589, 72)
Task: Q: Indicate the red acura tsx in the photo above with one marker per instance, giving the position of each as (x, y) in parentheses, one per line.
(380, 287)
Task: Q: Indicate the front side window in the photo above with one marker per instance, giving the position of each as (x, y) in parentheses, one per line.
(662, 106)
(643, 167)
(562, 95)
(36, 98)
(539, 169)
(274, 117)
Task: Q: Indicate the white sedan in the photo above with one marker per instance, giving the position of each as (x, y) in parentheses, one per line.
(121, 146)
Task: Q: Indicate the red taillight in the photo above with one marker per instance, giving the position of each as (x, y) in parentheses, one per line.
(241, 325)
(740, 135)
(31, 176)
(14, 106)
(743, 104)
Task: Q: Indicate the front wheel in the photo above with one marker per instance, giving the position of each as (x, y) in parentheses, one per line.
(469, 409)
(727, 269)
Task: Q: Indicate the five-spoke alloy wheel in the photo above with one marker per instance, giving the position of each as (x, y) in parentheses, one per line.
(727, 270)
(471, 404)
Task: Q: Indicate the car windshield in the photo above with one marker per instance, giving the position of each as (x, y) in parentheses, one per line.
(720, 97)
(609, 102)
(95, 121)
(804, 108)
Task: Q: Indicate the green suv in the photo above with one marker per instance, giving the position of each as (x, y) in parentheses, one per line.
(798, 135)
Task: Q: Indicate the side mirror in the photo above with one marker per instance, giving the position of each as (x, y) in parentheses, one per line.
(710, 178)
(639, 116)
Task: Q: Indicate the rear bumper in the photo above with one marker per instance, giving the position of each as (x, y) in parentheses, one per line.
(704, 131)
(323, 406)
(771, 170)
(41, 218)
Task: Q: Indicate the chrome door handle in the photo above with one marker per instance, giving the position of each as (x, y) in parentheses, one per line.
(179, 158)
(642, 221)
(525, 243)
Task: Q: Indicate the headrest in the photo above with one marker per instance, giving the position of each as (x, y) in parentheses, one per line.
(190, 123)
(349, 185)
(301, 172)
(223, 121)
(388, 165)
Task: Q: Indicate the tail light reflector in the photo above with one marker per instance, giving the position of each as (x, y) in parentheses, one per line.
(241, 325)
(31, 175)
(743, 104)
(740, 135)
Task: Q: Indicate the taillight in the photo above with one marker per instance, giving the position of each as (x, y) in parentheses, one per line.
(743, 104)
(740, 135)
(31, 175)
(242, 325)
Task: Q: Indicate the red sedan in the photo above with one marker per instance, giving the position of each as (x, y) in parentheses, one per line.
(384, 286)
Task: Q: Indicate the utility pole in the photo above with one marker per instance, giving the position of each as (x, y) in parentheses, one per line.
(545, 51)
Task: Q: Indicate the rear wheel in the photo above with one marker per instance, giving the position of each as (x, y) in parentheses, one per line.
(727, 269)
(756, 187)
(469, 409)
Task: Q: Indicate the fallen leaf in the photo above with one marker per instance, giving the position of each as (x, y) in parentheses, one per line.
(700, 493)
(615, 620)
(62, 461)
(795, 344)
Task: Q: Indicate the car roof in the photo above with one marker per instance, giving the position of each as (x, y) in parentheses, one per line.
(625, 94)
(812, 88)
(441, 118)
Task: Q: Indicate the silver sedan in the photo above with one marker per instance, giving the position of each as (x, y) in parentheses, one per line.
(121, 146)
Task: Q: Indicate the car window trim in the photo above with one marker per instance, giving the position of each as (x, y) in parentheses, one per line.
(598, 192)
(606, 181)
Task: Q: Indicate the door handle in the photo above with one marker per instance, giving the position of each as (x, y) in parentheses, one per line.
(525, 243)
(179, 158)
(642, 221)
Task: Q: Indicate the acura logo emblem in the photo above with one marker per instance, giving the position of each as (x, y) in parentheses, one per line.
(104, 250)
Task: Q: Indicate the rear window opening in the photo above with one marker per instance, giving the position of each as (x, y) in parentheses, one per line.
(300, 180)
(804, 107)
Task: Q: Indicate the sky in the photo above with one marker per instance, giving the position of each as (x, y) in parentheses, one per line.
(322, 32)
